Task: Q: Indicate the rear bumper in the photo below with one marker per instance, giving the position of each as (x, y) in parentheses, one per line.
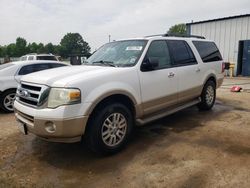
(53, 129)
(219, 82)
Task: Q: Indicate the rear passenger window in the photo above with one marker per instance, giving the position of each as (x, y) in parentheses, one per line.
(181, 52)
(208, 51)
(30, 58)
(33, 68)
(159, 50)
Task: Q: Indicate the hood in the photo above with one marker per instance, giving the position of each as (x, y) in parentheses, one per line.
(60, 77)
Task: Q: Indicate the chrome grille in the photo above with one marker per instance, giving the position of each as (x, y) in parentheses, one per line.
(32, 94)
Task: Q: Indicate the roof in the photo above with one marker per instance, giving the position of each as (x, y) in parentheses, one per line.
(38, 54)
(219, 19)
(164, 36)
(34, 61)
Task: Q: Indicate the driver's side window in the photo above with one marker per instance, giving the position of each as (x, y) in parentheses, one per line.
(158, 50)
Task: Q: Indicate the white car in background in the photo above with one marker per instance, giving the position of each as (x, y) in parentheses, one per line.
(35, 56)
(11, 73)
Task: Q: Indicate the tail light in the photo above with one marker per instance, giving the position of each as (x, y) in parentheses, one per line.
(223, 67)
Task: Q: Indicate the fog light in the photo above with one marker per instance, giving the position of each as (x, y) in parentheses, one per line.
(50, 127)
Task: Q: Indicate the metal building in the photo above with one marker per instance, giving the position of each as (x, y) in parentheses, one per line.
(232, 36)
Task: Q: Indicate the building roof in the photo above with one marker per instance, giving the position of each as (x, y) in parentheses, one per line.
(219, 19)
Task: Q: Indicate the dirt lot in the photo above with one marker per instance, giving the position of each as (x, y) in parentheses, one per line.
(187, 149)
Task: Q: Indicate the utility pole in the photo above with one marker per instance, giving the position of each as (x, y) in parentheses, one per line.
(109, 37)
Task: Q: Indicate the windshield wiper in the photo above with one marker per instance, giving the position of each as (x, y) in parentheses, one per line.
(109, 63)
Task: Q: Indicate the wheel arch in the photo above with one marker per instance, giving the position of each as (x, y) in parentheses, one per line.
(123, 98)
(211, 77)
(9, 89)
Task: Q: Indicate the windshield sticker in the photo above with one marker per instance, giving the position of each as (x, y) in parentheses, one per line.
(135, 48)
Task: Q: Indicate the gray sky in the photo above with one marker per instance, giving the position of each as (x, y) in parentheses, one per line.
(49, 20)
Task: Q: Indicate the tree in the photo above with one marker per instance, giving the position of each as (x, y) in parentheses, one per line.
(20, 47)
(1, 51)
(11, 50)
(73, 44)
(178, 29)
(49, 48)
(32, 47)
(40, 48)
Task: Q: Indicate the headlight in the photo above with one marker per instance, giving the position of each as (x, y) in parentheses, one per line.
(63, 96)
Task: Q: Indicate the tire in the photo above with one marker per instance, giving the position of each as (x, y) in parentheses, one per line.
(7, 99)
(103, 135)
(208, 96)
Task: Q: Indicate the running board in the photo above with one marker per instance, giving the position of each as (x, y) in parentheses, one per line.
(161, 115)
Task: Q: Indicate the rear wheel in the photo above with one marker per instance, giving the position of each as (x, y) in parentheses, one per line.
(7, 99)
(208, 96)
(109, 128)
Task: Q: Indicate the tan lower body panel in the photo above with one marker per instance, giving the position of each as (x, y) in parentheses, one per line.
(189, 94)
(59, 130)
(171, 100)
(65, 128)
(219, 82)
(160, 103)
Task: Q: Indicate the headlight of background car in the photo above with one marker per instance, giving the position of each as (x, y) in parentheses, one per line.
(63, 96)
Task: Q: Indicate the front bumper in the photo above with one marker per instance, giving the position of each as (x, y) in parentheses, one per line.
(51, 129)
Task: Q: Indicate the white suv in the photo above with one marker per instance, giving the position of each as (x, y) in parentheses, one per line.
(123, 84)
(34, 56)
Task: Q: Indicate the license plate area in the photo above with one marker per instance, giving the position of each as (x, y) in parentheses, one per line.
(22, 127)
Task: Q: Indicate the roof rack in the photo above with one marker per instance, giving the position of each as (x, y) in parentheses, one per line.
(177, 35)
(158, 35)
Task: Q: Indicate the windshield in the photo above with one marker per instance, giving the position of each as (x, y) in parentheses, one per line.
(118, 54)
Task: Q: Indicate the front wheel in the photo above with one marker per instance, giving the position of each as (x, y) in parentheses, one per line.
(7, 100)
(208, 96)
(109, 128)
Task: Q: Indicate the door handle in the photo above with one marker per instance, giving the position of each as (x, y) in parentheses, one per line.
(171, 75)
(198, 70)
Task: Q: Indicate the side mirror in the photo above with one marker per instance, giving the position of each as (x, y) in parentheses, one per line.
(149, 64)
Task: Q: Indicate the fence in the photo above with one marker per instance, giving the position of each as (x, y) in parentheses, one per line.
(11, 59)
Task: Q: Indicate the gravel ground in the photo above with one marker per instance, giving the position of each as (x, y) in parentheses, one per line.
(187, 149)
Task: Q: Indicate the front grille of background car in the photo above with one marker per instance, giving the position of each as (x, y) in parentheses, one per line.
(32, 94)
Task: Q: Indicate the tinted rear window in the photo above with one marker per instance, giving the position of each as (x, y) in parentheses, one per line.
(53, 58)
(208, 51)
(27, 69)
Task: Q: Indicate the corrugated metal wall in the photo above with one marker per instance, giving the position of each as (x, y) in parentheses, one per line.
(226, 34)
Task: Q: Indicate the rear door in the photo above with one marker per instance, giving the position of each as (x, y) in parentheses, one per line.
(158, 86)
(189, 71)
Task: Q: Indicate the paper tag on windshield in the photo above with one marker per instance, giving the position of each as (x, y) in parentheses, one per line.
(136, 48)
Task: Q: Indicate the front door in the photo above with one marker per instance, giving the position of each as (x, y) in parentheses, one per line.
(158, 86)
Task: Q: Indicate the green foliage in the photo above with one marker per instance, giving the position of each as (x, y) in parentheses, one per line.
(71, 44)
(178, 29)
(20, 47)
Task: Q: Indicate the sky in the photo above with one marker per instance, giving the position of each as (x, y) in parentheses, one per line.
(49, 20)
